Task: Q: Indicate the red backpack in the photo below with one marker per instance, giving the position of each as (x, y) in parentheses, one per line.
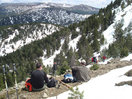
(92, 60)
(28, 84)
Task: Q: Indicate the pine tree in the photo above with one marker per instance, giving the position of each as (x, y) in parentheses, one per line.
(76, 94)
(88, 54)
(129, 2)
(124, 52)
(62, 69)
(119, 35)
(95, 45)
(65, 45)
(71, 57)
(113, 51)
(122, 5)
(128, 42)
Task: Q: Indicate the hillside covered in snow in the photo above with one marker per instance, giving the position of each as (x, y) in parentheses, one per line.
(107, 33)
(13, 38)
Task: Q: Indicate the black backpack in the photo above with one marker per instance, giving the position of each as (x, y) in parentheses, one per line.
(52, 82)
(94, 59)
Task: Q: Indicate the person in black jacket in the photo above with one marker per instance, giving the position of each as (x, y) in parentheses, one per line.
(54, 68)
(38, 77)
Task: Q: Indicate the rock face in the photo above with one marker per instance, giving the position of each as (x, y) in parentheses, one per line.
(129, 73)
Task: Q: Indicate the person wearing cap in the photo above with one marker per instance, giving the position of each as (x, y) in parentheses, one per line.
(83, 62)
(38, 77)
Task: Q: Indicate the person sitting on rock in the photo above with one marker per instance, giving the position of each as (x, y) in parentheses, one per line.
(38, 77)
(37, 80)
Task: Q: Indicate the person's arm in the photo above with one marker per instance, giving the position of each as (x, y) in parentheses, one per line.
(46, 78)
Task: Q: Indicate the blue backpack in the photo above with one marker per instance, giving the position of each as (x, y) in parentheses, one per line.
(68, 78)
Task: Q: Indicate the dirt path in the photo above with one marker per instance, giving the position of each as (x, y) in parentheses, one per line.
(54, 91)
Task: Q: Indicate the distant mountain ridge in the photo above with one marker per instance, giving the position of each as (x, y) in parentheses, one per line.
(61, 14)
(22, 7)
(83, 9)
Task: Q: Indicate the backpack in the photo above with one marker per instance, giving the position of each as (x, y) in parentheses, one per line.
(52, 82)
(94, 59)
(68, 78)
(28, 85)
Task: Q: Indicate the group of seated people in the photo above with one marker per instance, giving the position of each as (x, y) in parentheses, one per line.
(39, 78)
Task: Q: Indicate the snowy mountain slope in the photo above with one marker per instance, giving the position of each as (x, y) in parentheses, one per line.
(120, 16)
(50, 60)
(61, 14)
(23, 35)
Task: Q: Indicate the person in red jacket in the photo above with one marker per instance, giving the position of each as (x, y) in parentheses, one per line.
(104, 57)
(94, 59)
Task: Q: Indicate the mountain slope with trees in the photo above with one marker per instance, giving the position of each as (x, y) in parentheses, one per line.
(14, 37)
(91, 36)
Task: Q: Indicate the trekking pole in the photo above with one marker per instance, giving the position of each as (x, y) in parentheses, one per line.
(54, 69)
(4, 73)
(15, 71)
(66, 85)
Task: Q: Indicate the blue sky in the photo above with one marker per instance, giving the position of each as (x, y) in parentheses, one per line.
(94, 3)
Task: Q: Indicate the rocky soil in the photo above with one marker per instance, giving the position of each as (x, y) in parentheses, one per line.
(48, 92)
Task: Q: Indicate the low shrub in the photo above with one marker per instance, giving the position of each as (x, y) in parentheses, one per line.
(94, 67)
(76, 94)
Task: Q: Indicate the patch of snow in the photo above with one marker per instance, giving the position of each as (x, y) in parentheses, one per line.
(50, 60)
(77, 29)
(73, 43)
(106, 61)
(128, 58)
